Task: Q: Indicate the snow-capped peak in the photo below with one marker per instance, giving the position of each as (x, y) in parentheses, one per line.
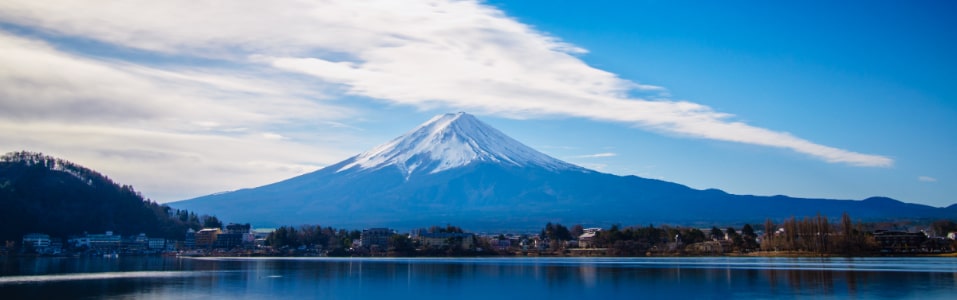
(449, 141)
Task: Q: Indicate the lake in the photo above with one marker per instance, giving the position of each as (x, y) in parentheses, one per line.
(477, 278)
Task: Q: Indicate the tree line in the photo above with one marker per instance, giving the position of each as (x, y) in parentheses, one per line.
(818, 235)
(312, 237)
(811, 235)
(815, 235)
(640, 240)
(339, 242)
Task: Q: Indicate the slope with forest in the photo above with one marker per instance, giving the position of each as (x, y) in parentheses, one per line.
(39, 193)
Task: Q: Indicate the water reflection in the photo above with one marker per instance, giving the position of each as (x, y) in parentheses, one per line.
(482, 278)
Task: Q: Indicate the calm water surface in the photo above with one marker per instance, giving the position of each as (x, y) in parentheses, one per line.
(477, 278)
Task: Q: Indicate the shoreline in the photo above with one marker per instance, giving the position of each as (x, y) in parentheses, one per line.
(594, 253)
(743, 255)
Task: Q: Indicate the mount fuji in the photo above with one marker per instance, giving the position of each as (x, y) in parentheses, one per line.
(455, 169)
(452, 141)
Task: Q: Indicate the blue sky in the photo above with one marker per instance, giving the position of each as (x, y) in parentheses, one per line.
(185, 98)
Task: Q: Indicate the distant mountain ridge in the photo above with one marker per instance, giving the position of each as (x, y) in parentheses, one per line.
(455, 169)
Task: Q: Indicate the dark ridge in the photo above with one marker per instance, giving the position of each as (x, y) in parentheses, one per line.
(40, 193)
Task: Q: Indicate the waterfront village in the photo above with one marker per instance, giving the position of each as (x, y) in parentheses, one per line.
(553, 240)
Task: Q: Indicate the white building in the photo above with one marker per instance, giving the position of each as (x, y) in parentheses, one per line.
(106, 240)
(587, 239)
(37, 240)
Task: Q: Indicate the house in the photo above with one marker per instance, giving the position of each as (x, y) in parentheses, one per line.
(587, 239)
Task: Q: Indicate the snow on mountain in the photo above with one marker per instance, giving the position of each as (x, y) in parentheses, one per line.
(449, 141)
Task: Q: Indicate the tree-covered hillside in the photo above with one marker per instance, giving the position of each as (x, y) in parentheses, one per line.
(44, 194)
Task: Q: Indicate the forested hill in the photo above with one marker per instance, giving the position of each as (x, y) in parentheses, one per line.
(44, 194)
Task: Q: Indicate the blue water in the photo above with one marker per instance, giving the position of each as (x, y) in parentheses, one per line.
(478, 278)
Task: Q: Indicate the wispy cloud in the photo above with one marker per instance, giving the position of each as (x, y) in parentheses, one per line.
(926, 179)
(276, 63)
(597, 155)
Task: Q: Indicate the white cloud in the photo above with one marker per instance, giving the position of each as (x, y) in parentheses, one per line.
(40, 82)
(926, 179)
(272, 136)
(147, 127)
(598, 155)
(274, 63)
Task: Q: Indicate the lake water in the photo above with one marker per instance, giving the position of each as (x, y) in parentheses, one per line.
(477, 278)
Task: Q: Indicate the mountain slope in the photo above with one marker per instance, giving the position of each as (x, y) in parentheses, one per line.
(456, 169)
(39, 193)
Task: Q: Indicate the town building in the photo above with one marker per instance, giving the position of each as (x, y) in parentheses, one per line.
(136, 243)
(237, 228)
(36, 240)
(259, 235)
(376, 238)
(105, 241)
(206, 238)
(237, 235)
(190, 240)
(156, 243)
(229, 240)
